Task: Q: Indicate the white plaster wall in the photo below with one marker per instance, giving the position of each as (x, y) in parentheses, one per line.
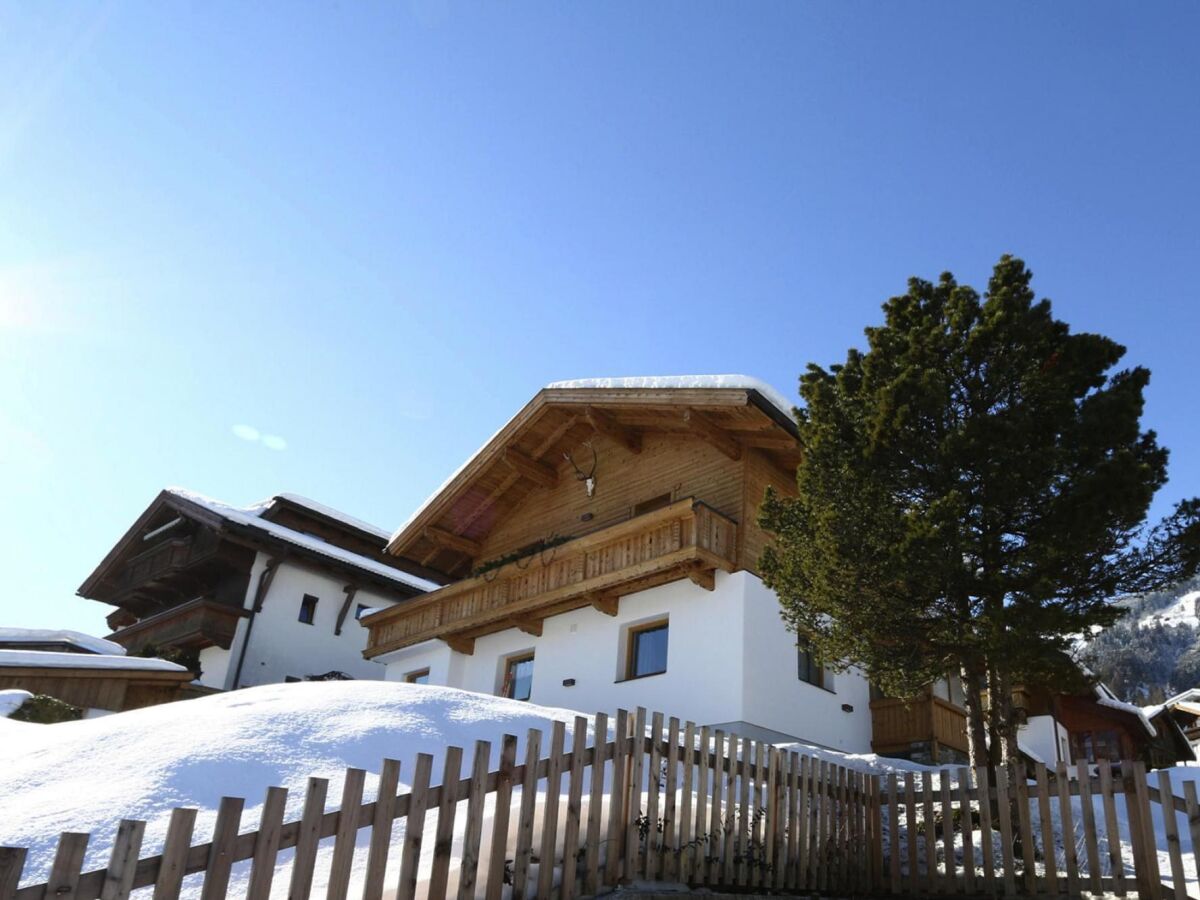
(281, 645)
(1045, 738)
(214, 662)
(776, 700)
(730, 661)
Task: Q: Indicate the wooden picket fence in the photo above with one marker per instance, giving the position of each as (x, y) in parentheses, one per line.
(668, 803)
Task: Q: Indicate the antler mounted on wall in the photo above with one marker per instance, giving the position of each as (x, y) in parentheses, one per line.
(588, 478)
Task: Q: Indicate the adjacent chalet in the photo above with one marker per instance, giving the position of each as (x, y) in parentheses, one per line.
(84, 671)
(601, 550)
(267, 593)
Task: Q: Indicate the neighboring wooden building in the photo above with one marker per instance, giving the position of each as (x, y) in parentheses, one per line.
(266, 593)
(602, 550)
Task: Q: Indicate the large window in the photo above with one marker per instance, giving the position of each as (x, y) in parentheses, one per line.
(647, 651)
(308, 609)
(808, 667)
(518, 677)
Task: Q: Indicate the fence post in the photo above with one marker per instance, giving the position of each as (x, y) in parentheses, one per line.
(473, 832)
(443, 835)
(684, 855)
(381, 829)
(1145, 856)
(504, 785)
(122, 863)
(617, 794)
(12, 864)
(983, 790)
(574, 809)
(1090, 843)
(266, 845)
(346, 836)
(68, 863)
(414, 827)
(633, 808)
(1112, 831)
(1166, 801)
(1004, 804)
(591, 880)
(307, 840)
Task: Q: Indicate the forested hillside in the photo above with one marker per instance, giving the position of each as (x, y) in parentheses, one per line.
(1154, 651)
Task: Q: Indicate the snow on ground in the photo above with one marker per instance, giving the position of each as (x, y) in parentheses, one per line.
(88, 775)
(12, 635)
(1181, 612)
(11, 701)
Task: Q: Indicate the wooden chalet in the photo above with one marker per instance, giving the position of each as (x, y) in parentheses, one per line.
(592, 492)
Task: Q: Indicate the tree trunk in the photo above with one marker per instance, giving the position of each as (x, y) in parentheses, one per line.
(1000, 712)
(976, 720)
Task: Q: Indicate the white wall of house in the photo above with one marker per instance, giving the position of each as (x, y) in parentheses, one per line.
(281, 646)
(729, 662)
(1045, 738)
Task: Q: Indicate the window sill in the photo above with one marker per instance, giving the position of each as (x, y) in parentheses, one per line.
(819, 687)
(640, 677)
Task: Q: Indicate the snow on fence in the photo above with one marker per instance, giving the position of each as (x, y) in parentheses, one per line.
(687, 805)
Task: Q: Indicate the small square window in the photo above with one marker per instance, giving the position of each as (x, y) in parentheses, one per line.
(647, 650)
(308, 609)
(808, 667)
(518, 677)
(421, 676)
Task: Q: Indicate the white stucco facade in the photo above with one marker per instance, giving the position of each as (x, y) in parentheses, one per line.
(1046, 739)
(730, 662)
(280, 645)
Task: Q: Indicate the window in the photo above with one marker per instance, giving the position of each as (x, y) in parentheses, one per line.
(518, 677)
(308, 609)
(647, 651)
(808, 668)
(361, 610)
(1097, 745)
(421, 676)
(652, 504)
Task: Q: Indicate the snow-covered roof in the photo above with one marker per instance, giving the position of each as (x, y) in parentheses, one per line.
(251, 516)
(629, 382)
(329, 512)
(49, 659)
(647, 382)
(11, 635)
(1105, 697)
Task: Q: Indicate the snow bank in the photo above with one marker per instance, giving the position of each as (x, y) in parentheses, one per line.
(10, 635)
(88, 775)
(11, 701)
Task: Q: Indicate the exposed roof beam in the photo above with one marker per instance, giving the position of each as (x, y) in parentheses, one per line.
(768, 441)
(705, 429)
(538, 472)
(489, 501)
(607, 425)
(460, 644)
(451, 541)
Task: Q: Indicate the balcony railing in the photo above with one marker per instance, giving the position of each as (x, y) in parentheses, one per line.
(897, 724)
(197, 623)
(686, 539)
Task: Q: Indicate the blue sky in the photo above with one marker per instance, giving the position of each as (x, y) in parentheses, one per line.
(373, 231)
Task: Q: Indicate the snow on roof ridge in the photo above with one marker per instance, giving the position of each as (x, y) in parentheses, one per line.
(338, 515)
(51, 659)
(744, 382)
(628, 382)
(252, 516)
(1105, 697)
(14, 635)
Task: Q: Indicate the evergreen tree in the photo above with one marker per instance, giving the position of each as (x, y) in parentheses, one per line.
(972, 494)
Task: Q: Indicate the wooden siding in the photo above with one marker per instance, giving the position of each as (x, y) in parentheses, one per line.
(759, 471)
(680, 466)
(898, 724)
(682, 540)
(113, 689)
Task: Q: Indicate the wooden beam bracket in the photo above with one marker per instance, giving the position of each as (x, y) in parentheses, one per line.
(450, 541)
(702, 576)
(460, 643)
(609, 604)
(530, 626)
(704, 428)
(604, 423)
(539, 473)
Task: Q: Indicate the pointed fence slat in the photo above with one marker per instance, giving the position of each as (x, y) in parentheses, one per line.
(1149, 880)
(1191, 807)
(910, 818)
(414, 828)
(715, 843)
(1024, 819)
(554, 770)
(499, 845)
(796, 829)
(473, 832)
(1049, 857)
(1171, 832)
(617, 811)
(983, 790)
(1004, 815)
(381, 830)
(1087, 811)
(309, 839)
(174, 855)
(931, 867)
(595, 817)
(651, 857)
(684, 856)
(220, 856)
(524, 850)
(948, 869)
(633, 811)
(570, 860)
(122, 863)
(12, 864)
(346, 836)
(667, 862)
(68, 864)
(1067, 828)
(266, 844)
(1112, 832)
(443, 835)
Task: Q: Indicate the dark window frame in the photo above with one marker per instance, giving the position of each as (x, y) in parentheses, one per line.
(809, 670)
(508, 685)
(636, 632)
(416, 674)
(308, 610)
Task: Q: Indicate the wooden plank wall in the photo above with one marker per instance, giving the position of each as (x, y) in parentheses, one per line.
(677, 804)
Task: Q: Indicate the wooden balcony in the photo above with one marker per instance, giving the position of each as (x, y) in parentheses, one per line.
(687, 539)
(197, 623)
(898, 724)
